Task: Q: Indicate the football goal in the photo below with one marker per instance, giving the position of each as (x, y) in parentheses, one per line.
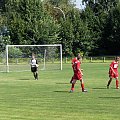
(18, 57)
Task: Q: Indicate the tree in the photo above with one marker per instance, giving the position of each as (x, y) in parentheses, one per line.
(110, 37)
(66, 37)
(105, 27)
(74, 33)
(4, 33)
(29, 23)
(59, 13)
(100, 5)
(95, 14)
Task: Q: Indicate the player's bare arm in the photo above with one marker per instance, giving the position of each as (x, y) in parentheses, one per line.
(81, 71)
(112, 70)
(37, 65)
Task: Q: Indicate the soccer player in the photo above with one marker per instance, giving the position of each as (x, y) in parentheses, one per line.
(77, 74)
(113, 72)
(73, 61)
(34, 67)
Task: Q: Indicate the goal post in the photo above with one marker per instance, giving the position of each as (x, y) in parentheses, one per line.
(18, 57)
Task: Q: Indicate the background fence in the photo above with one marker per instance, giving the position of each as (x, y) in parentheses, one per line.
(92, 59)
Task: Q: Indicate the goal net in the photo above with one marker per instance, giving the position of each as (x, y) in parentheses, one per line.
(18, 57)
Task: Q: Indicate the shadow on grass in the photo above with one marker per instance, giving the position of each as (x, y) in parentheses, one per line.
(61, 91)
(99, 88)
(24, 79)
(110, 97)
(62, 83)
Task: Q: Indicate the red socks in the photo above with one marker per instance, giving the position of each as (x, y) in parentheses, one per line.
(117, 84)
(82, 86)
(72, 88)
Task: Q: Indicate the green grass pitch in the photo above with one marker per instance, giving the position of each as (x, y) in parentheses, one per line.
(23, 98)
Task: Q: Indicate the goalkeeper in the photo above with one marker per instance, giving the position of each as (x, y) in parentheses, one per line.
(34, 66)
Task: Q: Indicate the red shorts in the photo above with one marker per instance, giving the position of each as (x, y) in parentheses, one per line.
(77, 76)
(112, 75)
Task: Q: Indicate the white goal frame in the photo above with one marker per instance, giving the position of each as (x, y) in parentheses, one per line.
(49, 45)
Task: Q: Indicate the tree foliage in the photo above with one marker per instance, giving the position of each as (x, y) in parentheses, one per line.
(91, 31)
(110, 37)
(30, 23)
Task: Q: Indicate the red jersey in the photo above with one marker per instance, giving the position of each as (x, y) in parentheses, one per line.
(76, 66)
(114, 66)
(73, 61)
(113, 71)
(76, 69)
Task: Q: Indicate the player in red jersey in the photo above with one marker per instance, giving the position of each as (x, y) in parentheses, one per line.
(113, 72)
(73, 61)
(77, 74)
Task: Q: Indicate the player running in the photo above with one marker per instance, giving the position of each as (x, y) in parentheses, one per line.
(113, 72)
(77, 74)
(34, 67)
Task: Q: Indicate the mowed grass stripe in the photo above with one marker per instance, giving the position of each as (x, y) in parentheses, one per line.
(23, 98)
